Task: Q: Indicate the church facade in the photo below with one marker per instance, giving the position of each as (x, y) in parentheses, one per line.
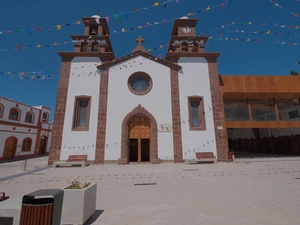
(140, 108)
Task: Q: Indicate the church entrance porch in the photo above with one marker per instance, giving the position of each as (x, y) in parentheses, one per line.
(139, 140)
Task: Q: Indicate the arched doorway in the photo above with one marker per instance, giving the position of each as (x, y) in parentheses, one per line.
(143, 123)
(43, 144)
(139, 140)
(10, 148)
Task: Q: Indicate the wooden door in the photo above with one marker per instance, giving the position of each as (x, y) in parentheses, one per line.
(139, 130)
(10, 148)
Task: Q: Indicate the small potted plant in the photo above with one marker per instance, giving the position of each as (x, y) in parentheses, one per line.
(79, 202)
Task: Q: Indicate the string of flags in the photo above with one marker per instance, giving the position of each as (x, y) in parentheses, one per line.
(204, 144)
(296, 27)
(60, 26)
(257, 40)
(37, 45)
(285, 9)
(264, 32)
(148, 24)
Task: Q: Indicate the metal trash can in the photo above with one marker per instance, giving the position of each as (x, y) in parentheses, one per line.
(42, 207)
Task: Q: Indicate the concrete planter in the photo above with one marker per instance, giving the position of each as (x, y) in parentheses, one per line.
(78, 204)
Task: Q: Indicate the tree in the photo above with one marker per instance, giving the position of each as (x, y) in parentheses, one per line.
(294, 73)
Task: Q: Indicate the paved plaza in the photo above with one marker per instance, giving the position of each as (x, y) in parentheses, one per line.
(258, 191)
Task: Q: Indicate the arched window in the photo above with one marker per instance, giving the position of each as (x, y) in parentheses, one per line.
(14, 114)
(45, 117)
(26, 144)
(29, 118)
(1, 110)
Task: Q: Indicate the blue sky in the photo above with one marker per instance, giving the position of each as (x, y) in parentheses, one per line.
(259, 56)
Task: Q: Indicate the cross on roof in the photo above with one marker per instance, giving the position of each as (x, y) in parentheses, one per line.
(139, 40)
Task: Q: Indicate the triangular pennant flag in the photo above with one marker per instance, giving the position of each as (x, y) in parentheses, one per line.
(140, 26)
(78, 22)
(161, 46)
(58, 27)
(29, 31)
(148, 24)
(156, 4)
(208, 8)
(117, 17)
(165, 4)
(38, 45)
(19, 46)
(107, 19)
(37, 29)
(123, 30)
(268, 32)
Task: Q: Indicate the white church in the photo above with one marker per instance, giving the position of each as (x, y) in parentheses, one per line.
(138, 108)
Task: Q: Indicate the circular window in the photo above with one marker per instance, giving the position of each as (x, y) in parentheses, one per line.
(140, 83)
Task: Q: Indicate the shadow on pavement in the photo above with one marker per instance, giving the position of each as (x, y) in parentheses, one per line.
(94, 217)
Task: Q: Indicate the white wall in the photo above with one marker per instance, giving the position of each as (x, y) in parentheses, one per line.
(20, 133)
(122, 101)
(194, 80)
(83, 81)
(23, 108)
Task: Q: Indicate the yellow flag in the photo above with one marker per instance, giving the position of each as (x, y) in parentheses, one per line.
(237, 39)
(58, 27)
(190, 14)
(248, 39)
(250, 23)
(161, 46)
(140, 26)
(156, 4)
(123, 30)
(208, 8)
(38, 45)
(268, 32)
(78, 22)
(54, 43)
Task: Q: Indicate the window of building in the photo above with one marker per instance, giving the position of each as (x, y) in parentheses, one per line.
(196, 113)
(14, 114)
(140, 83)
(26, 145)
(288, 109)
(263, 110)
(82, 113)
(294, 114)
(1, 110)
(45, 117)
(236, 110)
(29, 118)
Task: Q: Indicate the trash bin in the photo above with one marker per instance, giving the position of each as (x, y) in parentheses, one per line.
(42, 207)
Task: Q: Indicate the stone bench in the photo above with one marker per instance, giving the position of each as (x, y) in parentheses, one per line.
(73, 160)
(203, 157)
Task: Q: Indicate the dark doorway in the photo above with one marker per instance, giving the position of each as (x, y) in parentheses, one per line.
(43, 143)
(133, 150)
(145, 150)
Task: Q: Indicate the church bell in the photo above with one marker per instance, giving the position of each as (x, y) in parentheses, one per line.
(93, 32)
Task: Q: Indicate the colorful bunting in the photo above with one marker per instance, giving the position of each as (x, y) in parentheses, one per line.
(286, 10)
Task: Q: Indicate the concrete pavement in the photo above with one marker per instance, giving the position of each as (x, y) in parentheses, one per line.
(263, 191)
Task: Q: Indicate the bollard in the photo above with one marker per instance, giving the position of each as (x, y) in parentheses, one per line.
(24, 164)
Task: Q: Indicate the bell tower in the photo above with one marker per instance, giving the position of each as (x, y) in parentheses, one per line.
(184, 39)
(95, 42)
